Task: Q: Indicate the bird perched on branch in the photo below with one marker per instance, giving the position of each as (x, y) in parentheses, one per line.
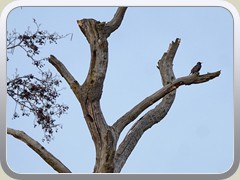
(196, 68)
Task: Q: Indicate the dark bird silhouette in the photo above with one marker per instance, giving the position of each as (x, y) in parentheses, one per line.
(196, 68)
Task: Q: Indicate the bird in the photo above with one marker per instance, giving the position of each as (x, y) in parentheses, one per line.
(196, 68)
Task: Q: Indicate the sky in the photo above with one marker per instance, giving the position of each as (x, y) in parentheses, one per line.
(196, 136)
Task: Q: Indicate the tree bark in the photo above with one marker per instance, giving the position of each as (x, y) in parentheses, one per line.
(154, 116)
(109, 157)
(90, 92)
(104, 136)
(40, 150)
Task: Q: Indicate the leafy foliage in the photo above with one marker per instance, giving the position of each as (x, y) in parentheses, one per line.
(36, 95)
(31, 42)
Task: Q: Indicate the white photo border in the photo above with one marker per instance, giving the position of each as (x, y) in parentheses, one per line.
(114, 3)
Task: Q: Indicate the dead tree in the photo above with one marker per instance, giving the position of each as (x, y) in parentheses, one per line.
(109, 157)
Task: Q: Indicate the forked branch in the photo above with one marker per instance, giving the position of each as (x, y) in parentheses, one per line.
(148, 101)
(154, 116)
(165, 67)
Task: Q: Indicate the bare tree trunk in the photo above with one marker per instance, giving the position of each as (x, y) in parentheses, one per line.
(90, 92)
(103, 135)
(109, 157)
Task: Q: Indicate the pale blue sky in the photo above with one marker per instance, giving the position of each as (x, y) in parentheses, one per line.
(197, 134)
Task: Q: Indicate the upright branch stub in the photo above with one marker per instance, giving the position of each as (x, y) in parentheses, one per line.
(96, 33)
(103, 29)
(93, 30)
(166, 62)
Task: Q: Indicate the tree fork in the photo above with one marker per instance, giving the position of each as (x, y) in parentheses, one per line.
(154, 116)
(110, 158)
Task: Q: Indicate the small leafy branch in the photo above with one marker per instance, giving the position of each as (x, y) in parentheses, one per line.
(31, 42)
(33, 94)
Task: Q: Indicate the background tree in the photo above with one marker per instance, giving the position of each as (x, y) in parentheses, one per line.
(35, 93)
(110, 157)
